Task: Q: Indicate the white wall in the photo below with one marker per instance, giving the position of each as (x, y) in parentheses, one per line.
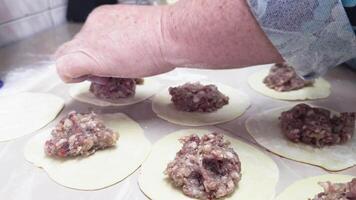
(22, 18)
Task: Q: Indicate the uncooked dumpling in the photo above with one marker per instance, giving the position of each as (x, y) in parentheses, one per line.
(320, 88)
(259, 172)
(309, 187)
(238, 104)
(80, 92)
(24, 113)
(265, 129)
(100, 170)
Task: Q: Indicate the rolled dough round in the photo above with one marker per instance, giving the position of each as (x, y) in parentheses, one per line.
(319, 90)
(24, 113)
(265, 129)
(102, 169)
(309, 187)
(238, 104)
(259, 172)
(80, 92)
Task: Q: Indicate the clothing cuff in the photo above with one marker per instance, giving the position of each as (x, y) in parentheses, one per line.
(311, 35)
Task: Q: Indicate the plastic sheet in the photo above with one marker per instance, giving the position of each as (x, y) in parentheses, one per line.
(21, 180)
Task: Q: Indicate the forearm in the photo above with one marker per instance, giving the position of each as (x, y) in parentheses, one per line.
(214, 34)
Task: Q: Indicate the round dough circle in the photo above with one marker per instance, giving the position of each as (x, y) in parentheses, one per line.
(265, 129)
(102, 169)
(254, 164)
(320, 89)
(238, 104)
(309, 187)
(24, 113)
(80, 92)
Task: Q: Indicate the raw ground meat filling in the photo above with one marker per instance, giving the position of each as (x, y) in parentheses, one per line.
(317, 126)
(206, 167)
(283, 78)
(195, 97)
(337, 191)
(115, 88)
(79, 135)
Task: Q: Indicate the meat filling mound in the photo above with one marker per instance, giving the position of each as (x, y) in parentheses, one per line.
(79, 135)
(114, 89)
(283, 78)
(337, 191)
(317, 126)
(206, 167)
(195, 97)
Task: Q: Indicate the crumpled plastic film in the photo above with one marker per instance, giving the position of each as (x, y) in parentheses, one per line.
(311, 35)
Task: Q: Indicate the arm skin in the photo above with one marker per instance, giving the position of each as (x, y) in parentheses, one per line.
(216, 34)
(139, 41)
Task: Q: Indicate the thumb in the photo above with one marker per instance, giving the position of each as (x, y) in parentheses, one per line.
(74, 66)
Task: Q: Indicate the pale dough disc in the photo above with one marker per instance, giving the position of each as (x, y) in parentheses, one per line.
(259, 172)
(238, 104)
(320, 89)
(80, 92)
(24, 113)
(309, 187)
(265, 129)
(102, 169)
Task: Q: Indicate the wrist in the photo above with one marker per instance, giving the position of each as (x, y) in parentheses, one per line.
(163, 42)
(173, 35)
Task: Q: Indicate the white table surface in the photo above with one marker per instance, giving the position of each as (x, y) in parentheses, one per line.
(20, 180)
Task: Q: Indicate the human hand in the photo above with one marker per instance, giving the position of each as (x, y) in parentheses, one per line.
(115, 41)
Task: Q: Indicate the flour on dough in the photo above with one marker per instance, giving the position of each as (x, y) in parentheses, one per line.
(309, 187)
(80, 92)
(102, 169)
(320, 89)
(264, 128)
(238, 104)
(254, 164)
(24, 113)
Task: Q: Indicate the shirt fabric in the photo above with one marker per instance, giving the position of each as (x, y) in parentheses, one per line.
(311, 35)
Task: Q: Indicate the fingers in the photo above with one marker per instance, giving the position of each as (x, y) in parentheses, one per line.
(75, 67)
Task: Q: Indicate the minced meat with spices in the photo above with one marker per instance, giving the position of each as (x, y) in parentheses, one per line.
(283, 78)
(317, 126)
(206, 167)
(79, 135)
(337, 191)
(195, 97)
(113, 89)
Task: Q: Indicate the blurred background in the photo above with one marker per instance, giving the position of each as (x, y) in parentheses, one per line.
(22, 18)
